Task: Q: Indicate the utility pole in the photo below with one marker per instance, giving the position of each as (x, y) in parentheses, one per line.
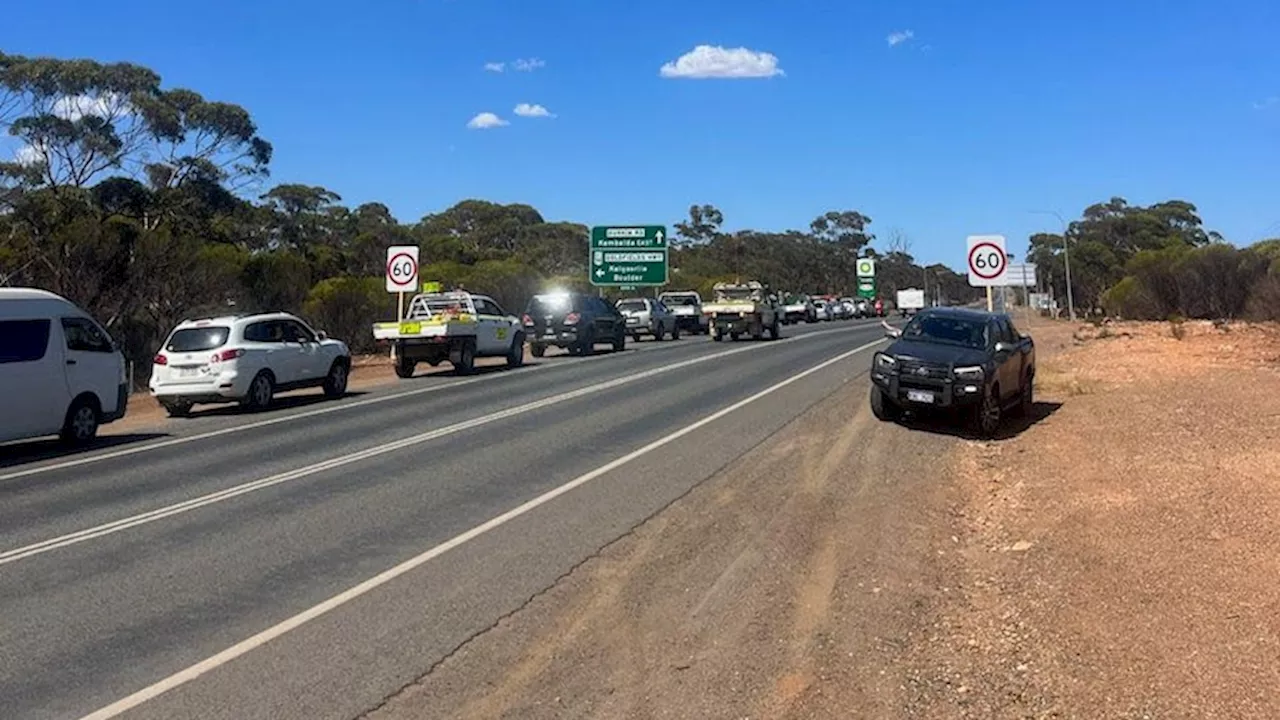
(1066, 261)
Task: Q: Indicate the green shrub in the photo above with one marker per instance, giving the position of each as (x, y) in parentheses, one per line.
(347, 307)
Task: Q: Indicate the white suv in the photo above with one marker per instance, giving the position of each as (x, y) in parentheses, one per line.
(245, 359)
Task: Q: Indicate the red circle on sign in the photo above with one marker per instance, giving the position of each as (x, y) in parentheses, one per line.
(392, 262)
(974, 251)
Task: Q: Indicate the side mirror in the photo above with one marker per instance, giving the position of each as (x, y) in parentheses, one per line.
(891, 331)
(322, 335)
(1003, 347)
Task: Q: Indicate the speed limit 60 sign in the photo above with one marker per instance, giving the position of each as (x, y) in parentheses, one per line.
(402, 268)
(987, 260)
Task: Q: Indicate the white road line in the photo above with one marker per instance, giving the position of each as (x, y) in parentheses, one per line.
(80, 536)
(249, 644)
(161, 444)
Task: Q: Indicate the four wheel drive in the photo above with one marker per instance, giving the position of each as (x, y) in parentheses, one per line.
(742, 308)
(574, 321)
(454, 326)
(245, 359)
(687, 307)
(797, 309)
(646, 316)
(955, 359)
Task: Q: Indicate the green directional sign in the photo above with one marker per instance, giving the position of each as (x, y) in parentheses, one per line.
(630, 255)
(867, 287)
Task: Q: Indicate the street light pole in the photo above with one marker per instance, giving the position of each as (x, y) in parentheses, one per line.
(1066, 261)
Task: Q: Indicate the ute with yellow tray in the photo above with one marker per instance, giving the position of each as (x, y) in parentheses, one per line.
(454, 326)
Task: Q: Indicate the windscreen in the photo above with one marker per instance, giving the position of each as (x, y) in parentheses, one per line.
(736, 293)
(198, 339)
(631, 305)
(673, 300)
(946, 330)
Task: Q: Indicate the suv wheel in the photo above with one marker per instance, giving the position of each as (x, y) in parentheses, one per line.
(466, 358)
(1026, 399)
(620, 342)
(537, 349)
(335, 383)
(178, 408)
(882, 407)
(986, 416)
(405, 368)
(675, 331)
(261, 391)
(774, 332)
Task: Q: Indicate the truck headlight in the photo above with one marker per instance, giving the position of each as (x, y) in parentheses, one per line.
(885, 363)
(969, 374)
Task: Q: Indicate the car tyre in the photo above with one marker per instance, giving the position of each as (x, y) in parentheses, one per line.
(987, 415)
(335, 383)
(82, 421)
(774, 331)
(178, 408)
(882, 407)
(515, 355)
(1026, 399)
(262, 391)
(675, 332)
(466, 358)
(405, 368)
(537, 349)
(620, 342)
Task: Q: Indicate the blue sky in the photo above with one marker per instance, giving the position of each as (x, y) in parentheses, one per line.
(988, 111)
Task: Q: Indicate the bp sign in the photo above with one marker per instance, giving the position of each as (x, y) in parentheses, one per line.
(867, 288)
(866, 268)
(633, 255)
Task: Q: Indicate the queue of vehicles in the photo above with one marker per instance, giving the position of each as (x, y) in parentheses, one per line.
(63, 374)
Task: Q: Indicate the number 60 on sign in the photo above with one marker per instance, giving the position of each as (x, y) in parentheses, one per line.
(987, 260)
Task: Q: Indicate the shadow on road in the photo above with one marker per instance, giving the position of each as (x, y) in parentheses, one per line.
(29, 452)
(958, 425)
(282, 402)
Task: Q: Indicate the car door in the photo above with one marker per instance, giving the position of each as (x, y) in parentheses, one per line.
(489, 323)
(32, 379)
(664, 315)
(1008, 361)
(301, 342)
(270, 347)
(92, 362)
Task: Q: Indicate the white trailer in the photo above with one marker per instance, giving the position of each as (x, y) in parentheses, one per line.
(910, 301)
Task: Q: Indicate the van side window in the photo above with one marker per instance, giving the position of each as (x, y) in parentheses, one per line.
(23, 340)
(85, 336)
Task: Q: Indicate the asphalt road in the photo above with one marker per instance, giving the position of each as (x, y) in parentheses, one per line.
(310, 562)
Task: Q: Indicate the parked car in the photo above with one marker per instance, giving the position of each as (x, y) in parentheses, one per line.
(245, 359)
(798, 308)
(687, 307)
(60, 372)
(574, 321)
(821, 310)
(646, 316)
(955, 359)
(861, 308)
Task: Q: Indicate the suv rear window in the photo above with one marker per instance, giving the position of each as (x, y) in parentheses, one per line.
(632, 305)
(673, 300)
(198, 339)
(553, 304)
(23, 340)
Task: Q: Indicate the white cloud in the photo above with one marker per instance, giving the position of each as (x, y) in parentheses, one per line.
(527, 110)
(74, 107)
(28, 156)
(528, 65)
(707, 61)
(486, 120)
(495, 66)
(897, 38)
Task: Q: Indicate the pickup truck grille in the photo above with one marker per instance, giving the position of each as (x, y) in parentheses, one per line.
(915, 369)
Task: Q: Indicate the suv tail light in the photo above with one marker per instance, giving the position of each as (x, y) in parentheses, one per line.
(227, 355)
(526, 319)
(572, 318)
(160, 360)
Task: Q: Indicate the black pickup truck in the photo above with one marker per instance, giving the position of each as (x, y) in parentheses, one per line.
(956, 359)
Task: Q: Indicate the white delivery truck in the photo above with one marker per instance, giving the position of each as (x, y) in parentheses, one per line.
(60, 372)
(910, 301)
(454, 326)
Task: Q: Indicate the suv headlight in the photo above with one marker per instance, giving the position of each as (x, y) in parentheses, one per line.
(969, 374)
(885, 363)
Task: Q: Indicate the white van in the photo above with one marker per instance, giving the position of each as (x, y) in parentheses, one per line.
(60, 372)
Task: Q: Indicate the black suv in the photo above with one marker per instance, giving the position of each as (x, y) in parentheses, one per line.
(955, 358)
(574, 321)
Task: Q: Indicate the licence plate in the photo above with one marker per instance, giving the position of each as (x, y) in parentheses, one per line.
(187, 372)
(920, 396)
(633, 321)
